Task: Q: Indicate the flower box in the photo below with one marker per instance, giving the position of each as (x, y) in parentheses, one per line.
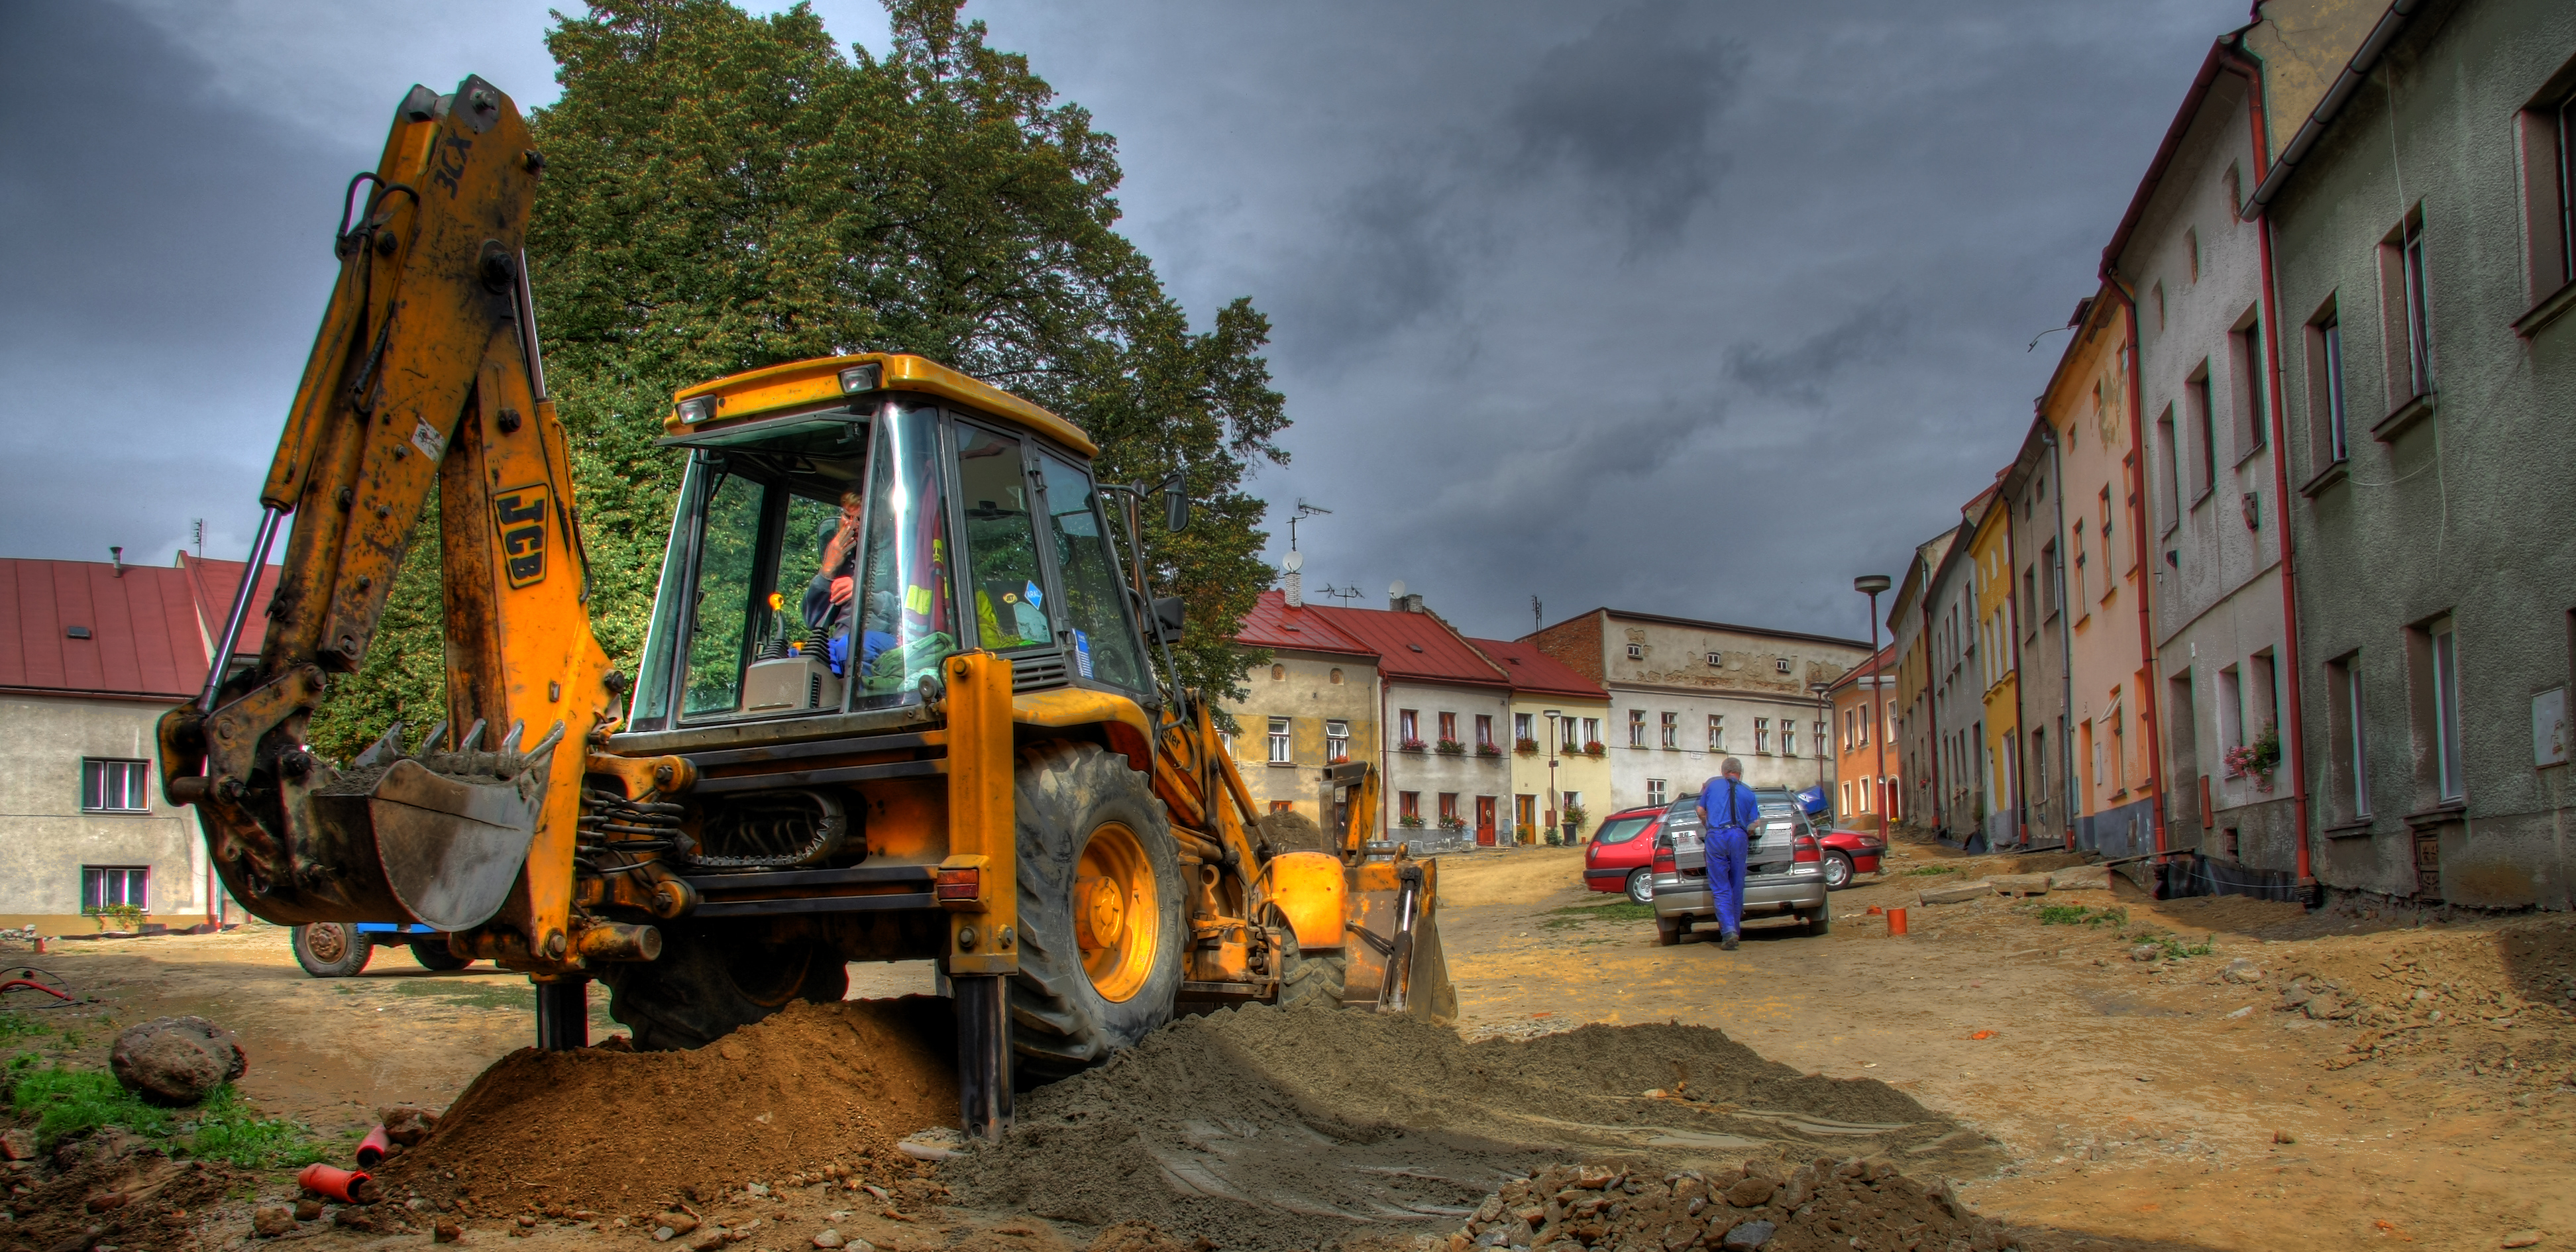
(1594, 748)
(1450, 747)
(1526, 747)
(1487, 749)
(1410, 745)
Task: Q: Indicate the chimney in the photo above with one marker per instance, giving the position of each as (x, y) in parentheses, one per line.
(1406, 603)
(1293, 584)
(116, 559)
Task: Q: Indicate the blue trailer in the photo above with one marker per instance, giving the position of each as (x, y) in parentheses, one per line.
(342, 949)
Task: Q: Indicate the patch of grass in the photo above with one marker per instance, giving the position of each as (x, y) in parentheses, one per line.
(1584, 914)
(2174, 948)
(76, 1101)
(25, 1025)
(1925, 871)
(2079, 915)
(480, 993)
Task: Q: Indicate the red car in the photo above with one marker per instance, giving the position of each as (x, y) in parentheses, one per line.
(1849, 852)
(1621, 856)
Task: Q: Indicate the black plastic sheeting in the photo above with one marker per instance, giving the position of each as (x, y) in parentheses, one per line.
(2203, 876)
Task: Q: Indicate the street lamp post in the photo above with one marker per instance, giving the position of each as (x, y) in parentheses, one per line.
(1870, 585)
(1552, 730)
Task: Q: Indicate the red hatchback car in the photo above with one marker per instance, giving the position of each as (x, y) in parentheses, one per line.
(1850, 852)
(1621, 856)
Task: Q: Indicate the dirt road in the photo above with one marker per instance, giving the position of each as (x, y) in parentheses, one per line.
(2145, 1099)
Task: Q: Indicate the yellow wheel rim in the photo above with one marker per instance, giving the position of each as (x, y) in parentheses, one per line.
(1115, 921)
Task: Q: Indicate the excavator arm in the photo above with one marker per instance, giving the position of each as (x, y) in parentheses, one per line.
(425, 372)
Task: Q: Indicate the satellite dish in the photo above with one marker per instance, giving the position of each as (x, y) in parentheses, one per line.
(1396, 589)
(1293, 562)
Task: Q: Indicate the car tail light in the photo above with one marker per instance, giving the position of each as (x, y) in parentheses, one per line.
(1803, 848)
(1664, 861)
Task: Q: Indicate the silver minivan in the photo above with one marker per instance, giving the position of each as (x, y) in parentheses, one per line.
(1784, 869)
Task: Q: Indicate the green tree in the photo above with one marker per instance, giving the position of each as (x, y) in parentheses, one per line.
(725, 191)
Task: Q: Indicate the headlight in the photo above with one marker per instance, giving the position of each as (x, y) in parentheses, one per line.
(697, 409)
(859, 378)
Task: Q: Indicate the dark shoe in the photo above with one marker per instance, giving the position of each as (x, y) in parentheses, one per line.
(1731, 937)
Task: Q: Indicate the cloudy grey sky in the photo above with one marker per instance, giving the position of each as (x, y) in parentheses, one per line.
(1697, 309)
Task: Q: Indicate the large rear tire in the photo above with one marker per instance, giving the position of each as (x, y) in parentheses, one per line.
(712, 981)
(1101, 925)
(331, 949)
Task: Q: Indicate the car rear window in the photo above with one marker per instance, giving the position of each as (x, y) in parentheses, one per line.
(1621, 829)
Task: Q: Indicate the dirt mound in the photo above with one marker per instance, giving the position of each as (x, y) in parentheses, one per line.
(2491, 1001)
(1274, 1129)
(1810, 1207)
(626, 1132)
(114, 1189)
(2238, 915)
(1291, 831)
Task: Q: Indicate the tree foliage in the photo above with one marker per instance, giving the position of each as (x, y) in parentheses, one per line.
(725, 191)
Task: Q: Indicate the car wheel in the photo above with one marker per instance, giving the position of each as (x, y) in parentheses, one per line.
(1641, 886)
(1838, 871)
(1669, 931)
(331, 949)
(1821, 921)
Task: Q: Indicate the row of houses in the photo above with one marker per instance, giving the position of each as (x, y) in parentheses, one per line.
(2277, 592)
(91, 654)
(1509, 740)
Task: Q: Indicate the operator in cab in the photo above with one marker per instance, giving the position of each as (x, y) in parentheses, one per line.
(1727, 814)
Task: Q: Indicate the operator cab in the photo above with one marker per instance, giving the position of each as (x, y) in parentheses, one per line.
(845, 524)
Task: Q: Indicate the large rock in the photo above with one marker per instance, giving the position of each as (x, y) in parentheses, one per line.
(2081, 878)
(176, 1060)
(408, 1124)
(2021, 884)
(1960, 894)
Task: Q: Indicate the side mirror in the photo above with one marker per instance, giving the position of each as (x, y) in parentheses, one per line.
(1169, 619)
(1176, 504)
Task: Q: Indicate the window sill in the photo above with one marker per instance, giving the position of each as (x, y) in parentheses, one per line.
(2327, 477)
(2439, 815)
(2546, 311)
(2404, 419)
(1281, 764)
(116, 812)
(2202, 498)
(2351, 829)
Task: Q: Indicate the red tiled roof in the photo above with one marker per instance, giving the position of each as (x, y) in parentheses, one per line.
(149, 627)
(1533, 670)
(1886, 658)
(1272, 624)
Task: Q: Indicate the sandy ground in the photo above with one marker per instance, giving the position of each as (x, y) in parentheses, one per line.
(2136, 1102)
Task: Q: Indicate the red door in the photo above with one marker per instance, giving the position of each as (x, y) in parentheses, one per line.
(1484, 821)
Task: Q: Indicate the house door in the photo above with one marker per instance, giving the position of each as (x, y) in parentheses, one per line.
(1485, 821)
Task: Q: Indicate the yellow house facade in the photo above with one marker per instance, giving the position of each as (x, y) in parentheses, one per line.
(1991, 564)
(1555, 713)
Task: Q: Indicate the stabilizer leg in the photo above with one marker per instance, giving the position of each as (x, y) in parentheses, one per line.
(563, 1014)
(983, 1054)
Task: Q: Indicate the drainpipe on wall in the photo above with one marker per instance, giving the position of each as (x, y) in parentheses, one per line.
(1931, 705)
(2065, 635)
(2138, 540)
(2021, 725)
(2237, 63)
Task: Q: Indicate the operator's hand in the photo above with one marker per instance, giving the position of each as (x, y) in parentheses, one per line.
(841, 589)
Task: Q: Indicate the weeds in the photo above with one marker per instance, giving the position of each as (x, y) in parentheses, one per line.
(2174, 948)
(15, 1026)
(2079, 915)
(69, 1102)
(1924, 871)
(1615, 911)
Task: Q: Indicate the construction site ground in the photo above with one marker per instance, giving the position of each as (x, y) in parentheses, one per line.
(2418, 1095)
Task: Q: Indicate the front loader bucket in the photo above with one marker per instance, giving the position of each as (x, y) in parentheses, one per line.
(1429, 994)
(1395, 961)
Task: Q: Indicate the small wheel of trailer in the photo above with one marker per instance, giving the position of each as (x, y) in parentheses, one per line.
(1101, 924)
(712, 980)
(1669, 930)
(331, 949)
(433, 954)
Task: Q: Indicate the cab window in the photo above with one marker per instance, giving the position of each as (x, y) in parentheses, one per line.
(1001, 541)
(1095, 603)
(906, 624)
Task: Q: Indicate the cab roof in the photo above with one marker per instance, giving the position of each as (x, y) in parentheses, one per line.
(776, 388)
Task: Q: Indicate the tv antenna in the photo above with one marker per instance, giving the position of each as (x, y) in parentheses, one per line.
(197, 527)
(1538, 617)
(1351, 592)
(1302, 512)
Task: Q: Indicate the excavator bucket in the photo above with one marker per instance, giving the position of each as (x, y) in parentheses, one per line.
(1396, 963)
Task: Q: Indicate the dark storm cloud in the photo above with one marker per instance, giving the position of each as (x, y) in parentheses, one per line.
(1800, 370)
(1628, 108)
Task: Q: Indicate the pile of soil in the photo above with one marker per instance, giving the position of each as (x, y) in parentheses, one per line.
(2498, 1001)
(1810, 1207)
(1262, 1128)
(629, 1132)
(114, 1188)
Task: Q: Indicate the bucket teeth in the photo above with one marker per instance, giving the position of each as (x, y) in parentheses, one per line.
(472, 737)
(429, 743)
(510, 742)
(383, 751)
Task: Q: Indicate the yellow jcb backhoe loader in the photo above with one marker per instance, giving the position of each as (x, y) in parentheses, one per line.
(898, 700)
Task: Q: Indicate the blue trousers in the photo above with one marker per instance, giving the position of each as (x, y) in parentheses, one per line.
(1725, 853)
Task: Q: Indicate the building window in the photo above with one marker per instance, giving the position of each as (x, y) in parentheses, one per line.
(1573, 741)
(1408, 804)
(1788, 737)
(1636, 652)
(2191, 250)
(1591, 730)
(2328, 425)
(2348, 735)
(1573, 799)
(1484, 730)
(2080, 600)
(2168, 467)
(1717, 732)
(2247, 347)
(1523, 728)
(1335, 676)
(115, 886)
(1449, 809)
(1672, 730)
(2549, 192)
(2444, 664)
(1278, 673)
(1847, 798)
(1655, 792)
(1636, 728)
(1782, 665)
(1337, 741)
(1715, 660)
(115, 786)
(1449, 728)
(2055, 583)
(1408, 728)
(2407, 321)
(2204, 429)
(1279, 741)
(1283, 806)
(1761, 736)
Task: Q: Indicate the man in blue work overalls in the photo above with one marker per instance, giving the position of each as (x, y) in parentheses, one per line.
(1727, 814)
